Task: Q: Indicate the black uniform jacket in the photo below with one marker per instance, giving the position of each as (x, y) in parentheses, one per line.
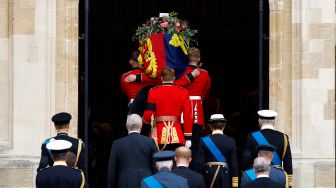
(60, 177)
(275, 174)
(262, 182)
(275, 138)
(131, 159)
(195, 179)
(46, 156)
(227, 147)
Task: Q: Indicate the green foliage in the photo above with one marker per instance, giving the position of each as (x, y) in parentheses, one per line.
(166, 25)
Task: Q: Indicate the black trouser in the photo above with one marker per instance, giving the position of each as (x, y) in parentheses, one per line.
(195, 140)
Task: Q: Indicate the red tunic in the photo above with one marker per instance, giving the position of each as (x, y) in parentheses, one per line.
(198, 89)
(198, 86)
(170, 100)
(132, 88)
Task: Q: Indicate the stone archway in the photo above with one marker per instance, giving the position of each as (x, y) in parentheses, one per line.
(291, 79)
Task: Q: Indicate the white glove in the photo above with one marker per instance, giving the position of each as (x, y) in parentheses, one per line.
(130, 78)
(188, 143)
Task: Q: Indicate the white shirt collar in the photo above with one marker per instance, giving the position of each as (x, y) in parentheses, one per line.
(133, 132)
(60, 163)
(182, 165)
(217, 132)
(262, 176)
(267, 127)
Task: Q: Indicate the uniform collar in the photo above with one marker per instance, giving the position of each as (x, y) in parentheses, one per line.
(263, 176)
(62, 133)
(267, 127)
(60, 163)
(217, 132)
(164, 169)
(134, 132)
(182, 165)
(167, 83)
(193, 66)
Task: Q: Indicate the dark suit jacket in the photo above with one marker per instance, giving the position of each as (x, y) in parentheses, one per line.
(131, 159)
(262, 183)
(168, 179)
(195, 180)
(46, 156)
(59, 177)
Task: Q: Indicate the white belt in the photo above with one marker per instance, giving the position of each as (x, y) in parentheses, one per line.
(195, 97)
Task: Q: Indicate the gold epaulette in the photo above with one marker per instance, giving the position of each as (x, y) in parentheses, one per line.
(234, 181)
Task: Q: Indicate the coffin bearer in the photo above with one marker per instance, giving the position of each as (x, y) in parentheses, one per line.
(130, 88)
(62, 122)
(164, 108)
(164, 177)
(276, 174)
(282, 156)
(59, 175)
(218, 153)
(197, 82)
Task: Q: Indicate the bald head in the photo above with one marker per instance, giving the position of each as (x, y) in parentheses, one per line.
(134, 122)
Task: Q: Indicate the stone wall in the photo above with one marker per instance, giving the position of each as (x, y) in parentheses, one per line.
(302, 85)
(5, 77)
(38, 77)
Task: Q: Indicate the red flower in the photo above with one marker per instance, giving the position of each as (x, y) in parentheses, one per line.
(164, 25)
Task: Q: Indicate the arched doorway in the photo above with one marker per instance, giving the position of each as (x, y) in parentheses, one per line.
(228, 40)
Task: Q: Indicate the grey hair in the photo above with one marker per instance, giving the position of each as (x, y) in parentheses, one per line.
(271, 121)
(261, 165)
(162, 164)
(134, 122)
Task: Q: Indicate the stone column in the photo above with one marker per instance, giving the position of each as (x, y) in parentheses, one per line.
(67, 60)
(302, 85)
(280, 67)
(6, 137)
(26, 37)
(38, 77)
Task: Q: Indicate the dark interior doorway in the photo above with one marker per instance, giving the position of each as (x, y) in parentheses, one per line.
(227, 38)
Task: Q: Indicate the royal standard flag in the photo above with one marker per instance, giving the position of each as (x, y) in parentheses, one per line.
(161, 50)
